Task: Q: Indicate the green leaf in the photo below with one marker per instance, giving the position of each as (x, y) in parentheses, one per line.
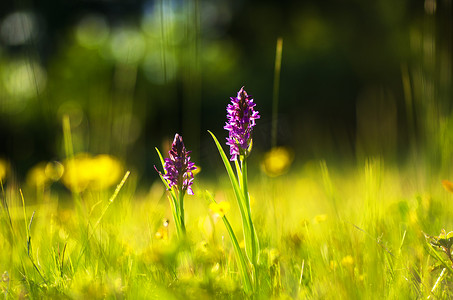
(162, 161)
(173, 199)
(241, 260)
(239, 197)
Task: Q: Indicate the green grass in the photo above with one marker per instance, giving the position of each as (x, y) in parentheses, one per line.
(352, 233)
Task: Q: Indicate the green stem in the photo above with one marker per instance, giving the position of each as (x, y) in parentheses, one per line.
(181, 212)
(241, 259)
(234, 182)
(69, 151)
(176, 202)
(244, 185)
(253, 238)
(239, 173)
(237, 181)
(174, 211)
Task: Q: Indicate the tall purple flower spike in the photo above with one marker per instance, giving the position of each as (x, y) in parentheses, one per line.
(178, 166)
(241, 118)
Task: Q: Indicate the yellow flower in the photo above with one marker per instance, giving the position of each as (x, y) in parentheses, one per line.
(54, 170)
(95, 173)
(277, 161)
(320, 218)
(220, 208)
(347, 261)
(162, 233)
(44, 173)
(36, 175)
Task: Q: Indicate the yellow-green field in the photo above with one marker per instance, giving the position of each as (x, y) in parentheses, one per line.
(348, 193)
(335, 233)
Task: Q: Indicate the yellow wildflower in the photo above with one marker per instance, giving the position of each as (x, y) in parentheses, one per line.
(220, 208)
(277, 161)
(36, 175)
(320, 218)
(54, 170)
(96, 173)
(347, 261)
(44, 173)
(162, 233)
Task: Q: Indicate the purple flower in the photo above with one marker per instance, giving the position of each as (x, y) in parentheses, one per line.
(241, 118)
(178, 167)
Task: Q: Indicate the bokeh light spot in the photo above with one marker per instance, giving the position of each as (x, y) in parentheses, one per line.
(277, 161)
(127, 45)
(92, 172)
(18, 28)
(92, 31)
(24, 79)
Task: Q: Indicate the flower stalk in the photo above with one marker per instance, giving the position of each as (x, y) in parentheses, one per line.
(241, 118)
(178, 179)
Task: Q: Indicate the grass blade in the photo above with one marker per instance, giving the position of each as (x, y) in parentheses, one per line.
(278, 65)
(439, 258)
(242, 263)
(239, 196)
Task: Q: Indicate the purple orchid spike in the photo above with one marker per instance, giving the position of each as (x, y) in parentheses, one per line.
(178, 167)
(241, 118)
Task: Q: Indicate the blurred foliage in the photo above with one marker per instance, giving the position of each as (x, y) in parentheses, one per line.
(357, 78)
(372, 245)
(84, 171)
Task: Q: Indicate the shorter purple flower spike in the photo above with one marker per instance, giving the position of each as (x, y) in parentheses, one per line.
(178, 167)
(241, 118)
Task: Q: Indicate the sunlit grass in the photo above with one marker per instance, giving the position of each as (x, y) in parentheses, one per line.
(83, 228)
(351, 233)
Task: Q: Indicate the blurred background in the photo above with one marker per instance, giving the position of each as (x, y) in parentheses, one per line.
(358, 78)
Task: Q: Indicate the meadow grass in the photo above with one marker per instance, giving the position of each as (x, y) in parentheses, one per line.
(351, 231)
(343, 233)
